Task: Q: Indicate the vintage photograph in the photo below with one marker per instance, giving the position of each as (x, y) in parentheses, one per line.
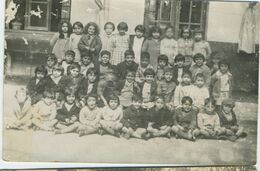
(131, 82)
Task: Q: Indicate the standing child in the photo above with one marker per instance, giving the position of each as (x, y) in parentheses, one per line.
(185, 44)
(68, 60)
(185, 119)
(60, 41)
(50, 63)
(119, 44)
(44, 112)
(213, 63)
(136, 42)
(111, 116)
(152, 45)
(162, 63)
(169, 46)
(160, 119)
(90, 41)
(200, 45)
(75, 38)
(86, 62)
(179, 68)
(144, 64)
(106, 38)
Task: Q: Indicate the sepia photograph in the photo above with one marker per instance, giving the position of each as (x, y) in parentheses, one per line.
(131, 82)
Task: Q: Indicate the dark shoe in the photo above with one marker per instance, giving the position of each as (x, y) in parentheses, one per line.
(232, 138)
(222, 137)
(101, 132)
(117, 134)
(243, 135)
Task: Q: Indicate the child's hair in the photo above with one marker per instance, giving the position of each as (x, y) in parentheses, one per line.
(136, 98)
(187, 73)
(129, 52)
(186, 98)
(197, 56)
(199, 75)
(113, 97)
(74, 65)
(105, 52)
(122, 26)
(79, 24)
(94, 25)
(163, 58)
(168, 27)
(168, 69)
(23, 90)
(69, 91)
(178, 58)
(61, 34)
(145, 55)
(93, 95)
(53, 57)
(140, 28)
(86, 53)
(224, 62)
(58, 67)
(198, 30)
(149, 71)
(208, 101)
(130, 72)
(70, 52)
(109, 23)
(49, 94)
(155, 29)
(185, 28)
(159, 97)
(92, 71)
(228, 102)
(40, 69)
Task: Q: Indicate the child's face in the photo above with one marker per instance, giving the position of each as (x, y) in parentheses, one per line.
(199, 62)
(186, 106)
(74, 72)
(50, 62)
(48, 100)
(144, 62)
(121, 32)
(227, 109)
(186, 34)
(91, 77)
(186, 79)
(77, 30)
(39, 75)
(156, 35)
(198, 36)
(136, 104)
(159, 104)
(113, 104)
(162, 63)
(105, 58)
(21, 96)
(91, 102)
(130, 77)
(149, 78)
(109, 29)
(70, 99)
(91, 30)
(168, 76)
(86, 60)
(129, 59)
(64, 28)
(69, 59)
(179, 63)
(223, 68)
(56, 73)
(209, 108)
(139, 34)
(200, 82)
(169, 33)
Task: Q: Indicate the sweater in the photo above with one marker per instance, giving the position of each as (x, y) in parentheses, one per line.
(160, 117)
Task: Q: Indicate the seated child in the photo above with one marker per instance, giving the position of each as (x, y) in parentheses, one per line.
(128, 64)
(18, 113)
(200, 67)
(111, 116)
(50, 63)
(44, 112)
(162, 63)
(179, 68)
(86, 62)
(160, 119)
(185, 119)
(144, 64)
(35, 87)
(134, 120)
(104, 66)
(68, 60)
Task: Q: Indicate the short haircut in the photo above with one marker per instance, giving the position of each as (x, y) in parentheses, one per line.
(155, 29)
(86, 53)
(145, 55)
(58, 67)
(70, 52)
(159, 97)
(130, 71)
(109, 23)
(49, 94)
(78, 23)
(168, 27)
(224, 62)
(197, 56)
(168, 69)
(129, 52)
(53, 57)
(21, 90)
(149, 71)
(140, 28)
(92, 71)
(209, 100)
(93, 95)
(69, 91)
(162, 58)
(199, 75)
(40, 69)
(187, 73)
(122, 26)
(74, 65)
(113, 97)
(105, 52)
(178, 58)
(137, 98)
(198, 30)
(186, 98)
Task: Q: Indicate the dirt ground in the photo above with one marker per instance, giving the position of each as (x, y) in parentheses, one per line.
(43, 146)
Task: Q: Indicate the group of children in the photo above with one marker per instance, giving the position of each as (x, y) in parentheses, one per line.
(129, 86)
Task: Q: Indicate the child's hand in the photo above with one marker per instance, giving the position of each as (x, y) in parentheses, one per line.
(67, 120)
(86, 47)
(92, 49)
(73, 118)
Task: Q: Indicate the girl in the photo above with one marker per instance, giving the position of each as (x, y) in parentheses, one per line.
(60, 41)
(152, 45)
(185, 43)
(50, 63)
(90, 41)
(75, 38)
(169, 46)
(109, 28)
(119, 44)
(112, 114)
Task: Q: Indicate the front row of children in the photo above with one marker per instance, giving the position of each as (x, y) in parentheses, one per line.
(185, 121)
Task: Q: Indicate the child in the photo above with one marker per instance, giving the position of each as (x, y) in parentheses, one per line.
(200, 67)
(169, 46)
(179, 68)
(183, 89)
(200, 45)
(162, 62)
(213, 63)
(90, 41)
(106, 39)
(69, 113)
(60, 41)
(127, 88)
(119, 44)
(75, 38)
(111, 116)
(136, 41)
(86, 62)
(160, 119)
(35, 86)
(104, 66)
(128, 64)
(19, 116)
(44, 112)
(152, 45)
(222, 83)
(185, 43)
(144, 64)
(185, 119)
(50, 63)
(199, 92)
(134, 120)
(68, 60)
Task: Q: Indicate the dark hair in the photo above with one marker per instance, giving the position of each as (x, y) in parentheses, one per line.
(163, 58)
(91, 95)
(185, 28)
(198, 30)
(224, 62)
(178, 58)
(155, 29)
(109, 23)
(209, 100)
(74, 65)
(168, 27)
(105, 52)
(145, 55)
(137, 97)
(197, 56)
(49, 94)
(129, 52)
(149, 71)
(92, 71)
(40, 69)
(94, 25)
(70, 52)
(123, 26)
(168, 69)
(140, 28)
(199, 75)
(53, 57)
(86, 53)
(69, 91)
(130, 71)
(187, 73)
(61, 34)
(79, 24)
(59, 68)
(113, 97)
(159, 97)
(186, 98)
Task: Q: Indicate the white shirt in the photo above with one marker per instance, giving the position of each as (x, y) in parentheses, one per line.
(138, 42)
(146, 92)
(199, 95)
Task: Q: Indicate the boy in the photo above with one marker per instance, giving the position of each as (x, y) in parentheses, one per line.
(179, 68)
(144, 64)
(128, 64)
(68, 60)
(200, 67)
(162, 62)
(50, 63)
(86, 62)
